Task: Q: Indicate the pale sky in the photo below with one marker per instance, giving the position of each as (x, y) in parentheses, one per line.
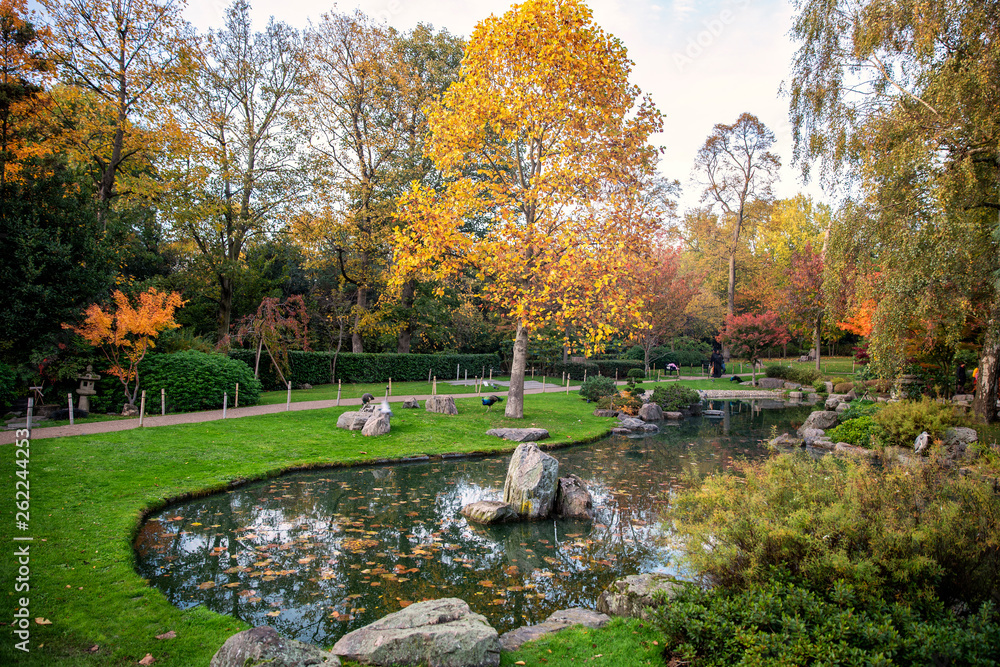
(702, 62)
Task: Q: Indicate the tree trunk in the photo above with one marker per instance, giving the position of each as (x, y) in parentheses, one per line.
(985, 402)
(515, 395)
(406, 333)
(225, 305)
(357, 346)
(816, 340)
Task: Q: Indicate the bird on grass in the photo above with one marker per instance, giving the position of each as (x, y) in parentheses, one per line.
(385, 403)
(736, 378)
(488, 401)
(366, 398)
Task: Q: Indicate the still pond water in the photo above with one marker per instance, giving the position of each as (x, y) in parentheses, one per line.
(318, 554)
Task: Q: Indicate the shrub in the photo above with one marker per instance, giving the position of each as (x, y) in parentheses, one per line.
(627, 402)
(820, 386)
(782, 624)
(900, 423)
(672, 397)
(860, 408)
(843, 387)
(8, 385)
(859, 431)
(576, 370)
(804, 376)
(610, 367)
(637, 373)
(196, 381)
(597, 387)
(902, 532)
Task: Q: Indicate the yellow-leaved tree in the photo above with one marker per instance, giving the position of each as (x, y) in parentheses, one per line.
(544, 147)
(127, 332)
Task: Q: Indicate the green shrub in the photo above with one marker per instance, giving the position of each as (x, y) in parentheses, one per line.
(637, 373)
(196, 381)
(597, 387)
(820, 386)
(860, 408)
(908, 533)
(672, 397)
(900, 423)
(804, 376)
(859, 431)
(576, 370)
(8, 385)
(621, 367)
(781, 624)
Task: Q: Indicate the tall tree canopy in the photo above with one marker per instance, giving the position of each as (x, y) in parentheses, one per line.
(544, 143)
(899, 101)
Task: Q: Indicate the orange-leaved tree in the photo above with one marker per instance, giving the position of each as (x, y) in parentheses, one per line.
(126, 332)
(543, 143)
(666, 291)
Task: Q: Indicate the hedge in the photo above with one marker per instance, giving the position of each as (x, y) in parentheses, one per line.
(314, 367)
(196, 381)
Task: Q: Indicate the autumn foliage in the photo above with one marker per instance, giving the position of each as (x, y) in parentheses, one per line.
(748, 335)
(126, 332)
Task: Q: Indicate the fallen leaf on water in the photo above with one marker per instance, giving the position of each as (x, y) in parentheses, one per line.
(405, 603)
(206, 585)
(274, 613)
(487, 583)
(43, 621)
(148, 660)
(167, 635)
(195, 524)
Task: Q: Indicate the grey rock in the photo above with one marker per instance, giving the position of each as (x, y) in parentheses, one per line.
(377, 424)
(842, 408)
(442, 404)
(532, 478)
(795, 396)
(637, 425)
(786, 440)
(961, 436)
(435, 633)
(822, 443)
(632, 595)
(853, 450)
(674, 416)
(792, 386)
(411, 404)
(922, 442)
(823, 419)
(620, 431)
(851, 395)
(573, 499)
(130, 410)
(558, 621)
(488, 512)
(353, 421)
(264, 646)
(829, 387)
(833, 400)
(605, 413)
(519, 434)
(305, 385)
(770, 383)
(651, 412)
(810, 435)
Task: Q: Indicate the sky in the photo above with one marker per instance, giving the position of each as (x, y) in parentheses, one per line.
(702, 62)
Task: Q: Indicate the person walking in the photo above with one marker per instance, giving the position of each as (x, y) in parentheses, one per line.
(960, 378)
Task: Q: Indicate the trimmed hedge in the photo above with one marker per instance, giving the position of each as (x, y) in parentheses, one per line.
(8, 385)
(576, 369)
(196, 381)
(606, 367)
(314, 367)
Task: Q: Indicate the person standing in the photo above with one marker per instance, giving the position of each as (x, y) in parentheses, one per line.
(960, 378)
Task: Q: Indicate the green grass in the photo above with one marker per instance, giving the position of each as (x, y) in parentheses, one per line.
(621, 643)
(328, 392)
(88, 494)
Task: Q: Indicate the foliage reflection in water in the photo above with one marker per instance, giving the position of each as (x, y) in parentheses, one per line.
(318, 554)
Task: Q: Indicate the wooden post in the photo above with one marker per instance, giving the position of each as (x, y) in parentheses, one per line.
(69, 396)
(225, 403)
(142, 407)
(616, 376)
(584, 374)
(532, 372)
(31, 407)
(236, 403)
(428, 376)
(466, 374)
(288, 399)
(491, 374)
(479, 386)
(434, 386)
(567, 384)
(163, 401)
(543, 383)
(458, 371)
(390, 386)
(338, 393)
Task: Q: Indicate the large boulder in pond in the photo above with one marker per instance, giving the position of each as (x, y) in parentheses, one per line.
(488, 512)
(443, 404)
(533, 434)
(532, 477)
(632, 595)
(821, 419)
(262, 646)
(573, 499)
(770, 383)
(353, 421)
(650, 412)
(377, 424)
(558, 621)
(435, 633)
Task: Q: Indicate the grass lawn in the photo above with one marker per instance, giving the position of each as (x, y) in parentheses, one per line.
(400, 390)
(88, 494)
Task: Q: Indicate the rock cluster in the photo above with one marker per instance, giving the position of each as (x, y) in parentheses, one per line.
(520, 434)
(442, 404)
(264, 646)
(369, 421)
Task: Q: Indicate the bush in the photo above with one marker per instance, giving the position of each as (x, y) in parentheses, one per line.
(576, 370)
(860, 408)
(672, 397)
(196, 381)
(843, 387)
(900, 423)
(597, 387)
(860, 431)
(820, 386)
(315, 367)
(626, 402)
(610, 367)
(8, 385)
(637, 373)
(782, 624)
(908, 533)
(804, 376)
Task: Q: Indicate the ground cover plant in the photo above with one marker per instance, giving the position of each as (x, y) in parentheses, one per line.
(673, 397)
(840, 561)
(89, 492)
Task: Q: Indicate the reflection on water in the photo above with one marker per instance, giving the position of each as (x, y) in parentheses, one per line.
(318, 554)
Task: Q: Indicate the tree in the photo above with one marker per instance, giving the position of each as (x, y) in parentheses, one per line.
(900, 102)
(666, 293)
(241, 170)
(738, 169)
(544, 145)
(127, 332)
(276, 327)
(747, 335)
(128, 54)
(803, 294)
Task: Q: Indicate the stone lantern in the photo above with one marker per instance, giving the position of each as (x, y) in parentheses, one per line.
(87, 389)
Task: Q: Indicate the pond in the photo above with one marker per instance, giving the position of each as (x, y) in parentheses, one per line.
(318, 554)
